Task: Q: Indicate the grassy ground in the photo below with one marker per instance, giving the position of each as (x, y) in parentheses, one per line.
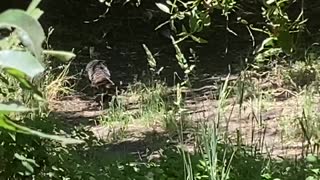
(253, 127)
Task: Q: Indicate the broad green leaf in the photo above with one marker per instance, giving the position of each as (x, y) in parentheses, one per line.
(22, 61)
(163, 8)
(10, 125)
(13, 107)
(21, 77)
(28, 28)
(170, 3)
(193, 21)
(61, 55)
(5, 125)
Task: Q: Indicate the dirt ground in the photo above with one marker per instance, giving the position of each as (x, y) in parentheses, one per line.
(259, 126)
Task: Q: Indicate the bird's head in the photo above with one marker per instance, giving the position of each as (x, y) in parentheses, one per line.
(93, 63)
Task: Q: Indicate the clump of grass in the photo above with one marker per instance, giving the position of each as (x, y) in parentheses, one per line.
(58, 85)
(306, 72)
(146, 106)
(301, 74)
(209, 165)
(304, 124)
(8, 85)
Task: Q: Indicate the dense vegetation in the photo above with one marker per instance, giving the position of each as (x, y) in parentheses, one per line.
(206, 89)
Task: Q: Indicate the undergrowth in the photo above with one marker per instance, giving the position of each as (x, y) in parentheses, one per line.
(178, 147)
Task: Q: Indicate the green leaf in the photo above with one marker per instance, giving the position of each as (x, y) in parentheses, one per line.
(285, 41)
(22, 61)
(162, 24)
(315, 170)
(270, 52)
(61, 55)
(205, 18)
(21, 77)
(163, 8)
(36, 13)
(24, 83)
(28, 28)
(311, 178)
(13, 107)
(268, 41)
(311, 158)
(198, 39)
(33, 6)
(28, 166)
(6, 123)
(270, 1)
(193, 22)
(23, 158)
(33, 10)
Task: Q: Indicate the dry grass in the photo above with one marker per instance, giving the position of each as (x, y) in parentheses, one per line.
(59, 85)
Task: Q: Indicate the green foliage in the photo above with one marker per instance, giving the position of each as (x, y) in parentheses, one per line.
(302, 74)
(28, 31)
(186, 12)
(281, 30)
(22, 103)
(23, 62)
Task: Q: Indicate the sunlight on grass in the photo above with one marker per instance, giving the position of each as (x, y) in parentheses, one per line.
(59, 85)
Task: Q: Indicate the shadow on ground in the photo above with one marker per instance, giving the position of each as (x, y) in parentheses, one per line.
(158, 156)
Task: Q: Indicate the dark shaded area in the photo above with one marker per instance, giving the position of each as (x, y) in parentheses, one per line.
(118, 35)
(17, 4)
(118, 39)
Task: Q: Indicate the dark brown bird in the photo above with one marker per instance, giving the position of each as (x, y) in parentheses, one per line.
(100, 78)
(99, 75)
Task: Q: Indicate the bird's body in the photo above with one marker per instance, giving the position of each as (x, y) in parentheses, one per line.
(98, 74)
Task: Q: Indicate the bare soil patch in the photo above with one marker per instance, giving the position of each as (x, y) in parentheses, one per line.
(258, 126)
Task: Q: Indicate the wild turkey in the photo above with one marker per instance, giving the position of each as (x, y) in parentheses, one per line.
(99, 75)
